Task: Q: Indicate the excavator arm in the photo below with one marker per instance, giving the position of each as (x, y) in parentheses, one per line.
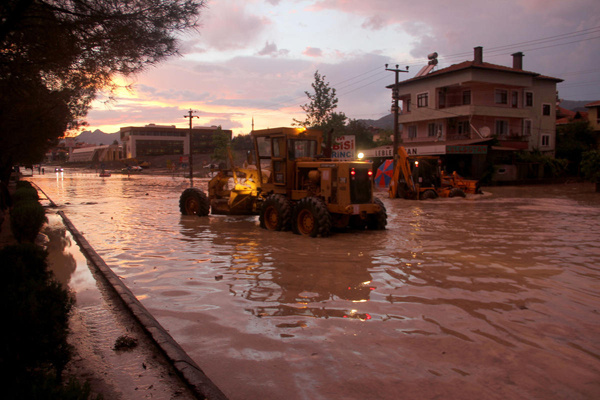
(401, 170)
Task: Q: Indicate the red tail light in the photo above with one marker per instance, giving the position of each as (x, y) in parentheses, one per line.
(352, 172)
(370, 173)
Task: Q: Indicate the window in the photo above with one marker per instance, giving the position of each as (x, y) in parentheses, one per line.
(501, 127)
(545, 140)
(158, 147)
(466, 97)
(514, 102)
(434, 130)
(545, 109)
(412, 132)
(442, 99)
(279, 147)
(527, 127)
(463, 128)
(301, 148)
(501, 96)
(406, 105)
(423, 100)
(528, 99)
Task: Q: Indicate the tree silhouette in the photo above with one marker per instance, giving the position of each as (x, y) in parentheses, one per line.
(57, 54)
(319, 111)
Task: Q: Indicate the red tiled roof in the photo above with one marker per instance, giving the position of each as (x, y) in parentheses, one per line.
(568, 116)
(484, 65)
(564, 112)
(593, 104)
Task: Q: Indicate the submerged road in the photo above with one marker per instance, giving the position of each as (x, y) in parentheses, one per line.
(493, 296)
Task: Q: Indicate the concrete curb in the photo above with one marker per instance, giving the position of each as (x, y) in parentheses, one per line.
(189, 371)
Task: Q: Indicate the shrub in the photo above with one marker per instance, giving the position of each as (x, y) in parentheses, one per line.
(26, 220)
(25, 194)
(590, 165)
(25, 184)
(35, 311)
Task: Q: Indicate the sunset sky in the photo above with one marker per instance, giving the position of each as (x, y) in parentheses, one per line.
(256, 58)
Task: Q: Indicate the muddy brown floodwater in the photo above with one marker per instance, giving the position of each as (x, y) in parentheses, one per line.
(489, 297)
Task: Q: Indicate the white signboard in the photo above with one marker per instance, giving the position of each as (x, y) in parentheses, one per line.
(388, 151)
(344, 148)
(426, 150)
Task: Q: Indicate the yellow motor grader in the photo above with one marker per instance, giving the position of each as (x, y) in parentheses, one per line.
(293, 186)
(421, 178)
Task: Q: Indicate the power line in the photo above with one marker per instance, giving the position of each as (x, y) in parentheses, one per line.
(529, 42)
(531, 45)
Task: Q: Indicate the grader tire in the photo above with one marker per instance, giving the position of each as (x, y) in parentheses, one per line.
(276, 213)
(311, 218)
(456, 192)
(378, 221)
(193, 201)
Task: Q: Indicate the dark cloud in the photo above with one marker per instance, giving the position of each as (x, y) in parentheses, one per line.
(270, 49)
(374, 22)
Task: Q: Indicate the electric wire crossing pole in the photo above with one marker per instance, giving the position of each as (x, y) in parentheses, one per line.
(395, 107)
(191, 116)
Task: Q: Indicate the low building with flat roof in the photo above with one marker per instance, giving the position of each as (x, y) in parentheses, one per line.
(158, 140)
(95, 154)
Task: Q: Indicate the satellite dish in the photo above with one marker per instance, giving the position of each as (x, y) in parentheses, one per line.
(485, 131)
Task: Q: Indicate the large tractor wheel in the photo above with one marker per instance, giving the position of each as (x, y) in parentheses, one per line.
(276, 213)
(456, 192)
(378, 221)
(429, 194)
(193, 201)
(311, 218)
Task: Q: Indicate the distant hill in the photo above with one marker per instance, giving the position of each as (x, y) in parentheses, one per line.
(386, 122)
(98, 137)
(575, 105)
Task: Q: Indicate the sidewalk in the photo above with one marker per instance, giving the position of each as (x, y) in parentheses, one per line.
(100, 316)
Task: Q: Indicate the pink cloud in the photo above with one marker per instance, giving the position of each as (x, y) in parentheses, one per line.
(227, 25)
(312, 52)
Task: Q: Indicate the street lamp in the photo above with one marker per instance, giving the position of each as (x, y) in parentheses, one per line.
(191, 160)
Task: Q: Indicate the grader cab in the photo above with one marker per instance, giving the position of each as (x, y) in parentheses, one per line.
(292, 186)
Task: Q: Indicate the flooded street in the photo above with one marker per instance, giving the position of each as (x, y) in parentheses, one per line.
(492, 297)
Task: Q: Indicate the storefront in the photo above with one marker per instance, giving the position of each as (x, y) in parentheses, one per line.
(466, 157)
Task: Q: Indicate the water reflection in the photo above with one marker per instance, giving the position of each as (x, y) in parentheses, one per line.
(508, 283)
(260, 271)
(60, 260)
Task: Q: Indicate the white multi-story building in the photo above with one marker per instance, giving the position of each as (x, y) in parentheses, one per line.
(458, 110)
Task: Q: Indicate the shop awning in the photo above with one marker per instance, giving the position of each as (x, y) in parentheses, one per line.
(467, 147)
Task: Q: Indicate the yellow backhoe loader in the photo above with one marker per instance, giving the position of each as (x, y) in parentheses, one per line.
(421, 178)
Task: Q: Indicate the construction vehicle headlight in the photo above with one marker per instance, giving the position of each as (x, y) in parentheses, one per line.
(361, 156)
(416, 164)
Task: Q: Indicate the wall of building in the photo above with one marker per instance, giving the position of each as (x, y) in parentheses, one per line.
(155, 140)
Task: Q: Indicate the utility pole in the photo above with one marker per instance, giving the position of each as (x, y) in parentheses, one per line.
(191, 116)
(395, 107)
